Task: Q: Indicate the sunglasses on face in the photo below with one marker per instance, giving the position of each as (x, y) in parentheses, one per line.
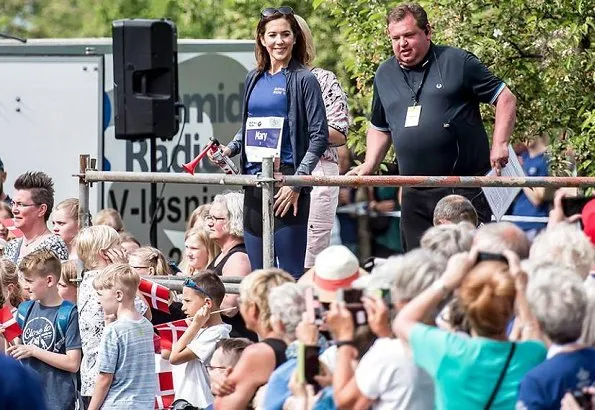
(270, 11)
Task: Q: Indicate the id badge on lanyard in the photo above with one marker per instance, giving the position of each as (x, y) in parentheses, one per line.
(263, 138)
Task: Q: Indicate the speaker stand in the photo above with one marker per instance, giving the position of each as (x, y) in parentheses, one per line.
(155, 207)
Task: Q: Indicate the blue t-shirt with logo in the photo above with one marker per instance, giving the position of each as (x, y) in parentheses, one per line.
(269, 99)
(544, 386)
(536, 166)
(40, 330)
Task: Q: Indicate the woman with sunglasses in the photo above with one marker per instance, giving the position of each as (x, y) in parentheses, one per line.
(284, 117)
(32, 203)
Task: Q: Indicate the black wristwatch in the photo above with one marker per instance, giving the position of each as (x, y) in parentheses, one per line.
(345, 343)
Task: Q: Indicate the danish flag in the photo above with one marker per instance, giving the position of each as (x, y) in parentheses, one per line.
(171, 332)
(157, 295)
(9, 224)
(165, 384)
(11, 328)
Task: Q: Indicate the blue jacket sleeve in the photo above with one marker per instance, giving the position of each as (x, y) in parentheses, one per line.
(317, 124)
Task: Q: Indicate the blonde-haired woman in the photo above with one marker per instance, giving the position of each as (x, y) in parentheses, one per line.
(261, 359)
(66, 223)
(198, 218)
(483, 371)
(97, 246)
(199, 251)
(109, 217)
(323, 199)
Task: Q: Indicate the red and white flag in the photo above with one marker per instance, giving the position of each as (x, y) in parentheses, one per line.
(157, 295)
(165, 384)
(171, 332)
(11, 328)
(9, 224)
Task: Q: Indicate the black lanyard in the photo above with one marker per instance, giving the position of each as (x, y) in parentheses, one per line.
(415, 94)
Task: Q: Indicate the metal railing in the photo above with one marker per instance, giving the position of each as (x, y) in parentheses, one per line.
(267, 180)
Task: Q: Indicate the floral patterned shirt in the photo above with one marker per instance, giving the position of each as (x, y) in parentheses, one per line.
(335, 103)
(91, 325)
(52, 243)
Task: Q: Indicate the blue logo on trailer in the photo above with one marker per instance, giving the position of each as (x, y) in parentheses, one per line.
(107, 111)
(107, 116)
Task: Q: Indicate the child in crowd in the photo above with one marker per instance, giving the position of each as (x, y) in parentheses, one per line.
(67, 284)
(202, 295)
(126, 377)
(65, 221)
(129, 242)
(97, 247)
(226, 355)
(12, 284)
(109, 217)
(150, 261)
(51, 341)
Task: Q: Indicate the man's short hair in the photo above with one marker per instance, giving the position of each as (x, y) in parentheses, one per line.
(41, 187)
(409, 9)
(1, 165)
(40, 263)
(119, 276)
(455, 209)
(232, 349)
(211, 284)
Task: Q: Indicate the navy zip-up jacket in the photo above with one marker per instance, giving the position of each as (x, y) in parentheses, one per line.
(308, 129)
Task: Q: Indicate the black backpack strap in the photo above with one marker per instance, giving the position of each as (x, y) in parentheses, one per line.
(501, 377)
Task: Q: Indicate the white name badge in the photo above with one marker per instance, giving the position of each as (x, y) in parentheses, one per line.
(263, 137)
(413, 113)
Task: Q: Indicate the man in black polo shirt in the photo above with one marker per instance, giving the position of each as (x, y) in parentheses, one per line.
(426, 97)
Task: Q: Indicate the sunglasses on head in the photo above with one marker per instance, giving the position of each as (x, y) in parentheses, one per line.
(190, 284)
(270, 11)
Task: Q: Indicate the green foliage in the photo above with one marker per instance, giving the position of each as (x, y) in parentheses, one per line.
(544, 50)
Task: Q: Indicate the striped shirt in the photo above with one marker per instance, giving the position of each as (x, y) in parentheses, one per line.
(127, 352)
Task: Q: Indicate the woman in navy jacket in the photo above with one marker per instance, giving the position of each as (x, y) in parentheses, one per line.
(284, 116)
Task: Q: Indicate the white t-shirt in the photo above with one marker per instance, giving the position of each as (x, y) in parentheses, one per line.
(388, 375)
(195, 387)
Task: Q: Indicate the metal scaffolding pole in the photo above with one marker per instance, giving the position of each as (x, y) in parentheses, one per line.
(267, 183)
(170, 178)
(83, 215)
(437, 181)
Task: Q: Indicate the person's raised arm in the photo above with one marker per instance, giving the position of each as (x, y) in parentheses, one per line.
(426, 302)
(180, 352)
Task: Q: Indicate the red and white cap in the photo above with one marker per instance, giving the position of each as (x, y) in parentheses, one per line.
(335, 268)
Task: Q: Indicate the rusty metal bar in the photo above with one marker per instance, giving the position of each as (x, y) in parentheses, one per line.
(436, 181)
(165, 177)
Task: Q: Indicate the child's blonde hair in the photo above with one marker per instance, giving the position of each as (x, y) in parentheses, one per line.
(68, 273)
(10, 276)
(154, 259)
(210, 245)
(118, 276)
(71, 205)
(40, 263)
(198, 218)
(109, 217)
(92, 240)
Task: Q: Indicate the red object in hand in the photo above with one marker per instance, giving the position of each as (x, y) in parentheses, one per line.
(171, 332)
(157, 295)
(12, 329)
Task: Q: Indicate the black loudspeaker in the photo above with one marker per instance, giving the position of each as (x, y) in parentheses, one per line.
(145, 56)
